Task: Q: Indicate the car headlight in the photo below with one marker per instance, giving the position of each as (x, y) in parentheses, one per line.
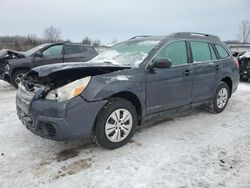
(69, 91)
(7, 67)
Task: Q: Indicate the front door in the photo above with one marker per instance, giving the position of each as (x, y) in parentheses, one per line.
(168, 88)
(50, 55)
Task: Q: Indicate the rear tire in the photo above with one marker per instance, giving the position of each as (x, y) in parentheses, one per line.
(220, 99)
(17, 77)
(115, 123)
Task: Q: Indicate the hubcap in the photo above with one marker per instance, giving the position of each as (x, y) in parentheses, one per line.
(19, 78)
(222, 98)
(118, 125)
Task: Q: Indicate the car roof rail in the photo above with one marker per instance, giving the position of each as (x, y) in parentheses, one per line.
(139, 36)
(190, 34)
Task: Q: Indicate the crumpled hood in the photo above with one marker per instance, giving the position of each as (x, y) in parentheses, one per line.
(48, 69)
(4, 52)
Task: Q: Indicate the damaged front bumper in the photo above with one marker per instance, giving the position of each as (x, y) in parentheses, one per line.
(71, 119)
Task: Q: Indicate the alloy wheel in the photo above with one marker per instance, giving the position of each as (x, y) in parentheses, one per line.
(222, 98)
(118, 125)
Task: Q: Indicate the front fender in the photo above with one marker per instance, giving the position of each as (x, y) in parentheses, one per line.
(18, 65)
(104, 86)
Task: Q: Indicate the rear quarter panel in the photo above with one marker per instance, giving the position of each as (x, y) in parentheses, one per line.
(230, 70)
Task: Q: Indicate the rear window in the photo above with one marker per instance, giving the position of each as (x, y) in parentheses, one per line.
(222, 52)
(74, 49)
(200, 51)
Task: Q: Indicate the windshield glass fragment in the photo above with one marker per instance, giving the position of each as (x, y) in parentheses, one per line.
(129, 53)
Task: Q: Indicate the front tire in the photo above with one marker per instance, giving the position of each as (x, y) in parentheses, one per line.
(220, 99)
(115, 123)
(17, 77)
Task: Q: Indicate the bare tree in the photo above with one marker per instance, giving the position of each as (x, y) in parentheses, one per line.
(68, 40)
(86, 41)
(52, 34)
(244, 31)
(32, 39)
(20, 43)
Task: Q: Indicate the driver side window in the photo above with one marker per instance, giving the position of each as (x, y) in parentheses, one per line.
(54, 51)
(175, 51)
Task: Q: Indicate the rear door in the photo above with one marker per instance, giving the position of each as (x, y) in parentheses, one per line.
(78, 53)
(170, 87)
(50, 55)
(204, 67)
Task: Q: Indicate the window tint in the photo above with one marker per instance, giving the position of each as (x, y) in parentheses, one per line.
(74, 49)
(212, 52)
(54, 51)
(175, 51)
(222, 52)
(200, 51)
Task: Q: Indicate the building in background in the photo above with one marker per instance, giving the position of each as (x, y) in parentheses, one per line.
(238, 48)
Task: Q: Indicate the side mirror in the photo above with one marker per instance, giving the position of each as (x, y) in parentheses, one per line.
(161, 63)
(38, 54)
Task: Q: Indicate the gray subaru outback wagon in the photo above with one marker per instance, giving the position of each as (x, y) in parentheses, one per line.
(144, 78)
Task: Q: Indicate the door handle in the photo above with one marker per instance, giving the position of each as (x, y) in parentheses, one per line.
(217, 67)
(187, 72)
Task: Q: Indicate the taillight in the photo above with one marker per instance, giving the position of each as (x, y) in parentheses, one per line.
(236, 62)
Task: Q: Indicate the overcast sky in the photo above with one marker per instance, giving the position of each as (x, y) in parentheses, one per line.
(116, 19)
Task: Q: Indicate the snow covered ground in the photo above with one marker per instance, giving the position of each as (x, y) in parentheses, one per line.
(196, 150)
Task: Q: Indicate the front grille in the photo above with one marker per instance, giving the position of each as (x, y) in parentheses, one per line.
(24, 93)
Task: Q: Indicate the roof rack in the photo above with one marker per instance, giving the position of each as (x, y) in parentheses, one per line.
(140, 36)
(189, 34)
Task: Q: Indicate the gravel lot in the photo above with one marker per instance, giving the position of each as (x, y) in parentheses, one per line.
(196, 150)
